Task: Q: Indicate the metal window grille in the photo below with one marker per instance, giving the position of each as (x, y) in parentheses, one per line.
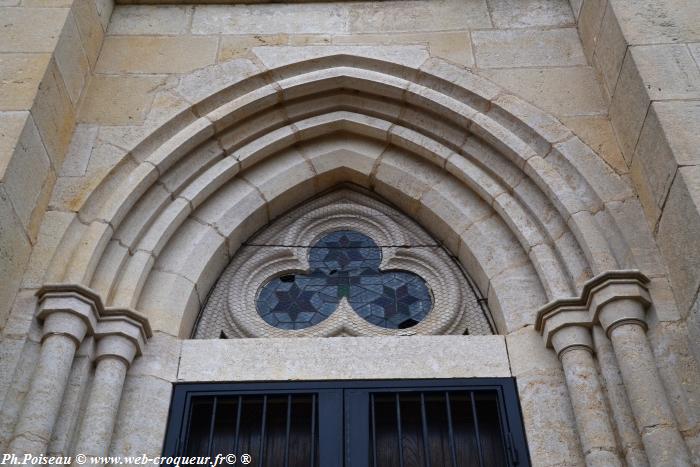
(425, 423)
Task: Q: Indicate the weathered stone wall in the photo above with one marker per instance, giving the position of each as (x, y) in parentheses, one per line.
(47, 52)
(531, 48)
(647, 53)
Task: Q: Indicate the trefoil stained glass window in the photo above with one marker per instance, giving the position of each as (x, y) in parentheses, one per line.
(345, 264)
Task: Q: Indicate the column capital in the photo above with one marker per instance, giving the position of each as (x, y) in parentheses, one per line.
(121, 333)
(611, 298)
(67, 311)
(76, 311)
(620, 300)
(571, 337)
(566, 328)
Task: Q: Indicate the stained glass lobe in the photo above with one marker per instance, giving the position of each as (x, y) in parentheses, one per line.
(345, 264)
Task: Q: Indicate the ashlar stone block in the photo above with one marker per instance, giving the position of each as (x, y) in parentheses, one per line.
(170, 302)
(514, 294)
(404, 179)
(236, 211)
(199, 251)
(515, 48)
(610, 50)
(14, 254)
(668, 71)
(31, 29)
(26, 166)
(655, 22)
(90, 23)
(412, 56)
(284, 181)
(528, 354)
(667, 140)
(567, 91)
(12, 126)
(269, 19)
(156, 54)
(348, 160)
(589, 24)
(597, 132)
(54, 114)
(509, 14)
(119, 100)
(79, 151)
(71, 60)
(149, 19)
(448, 209)
(340, 358)
(487, 248)
(550, 428)
(384, 17)
(650, 73)
(679, 228)
(212, 79)
(454, 46)
(143, 415)
(20, 74)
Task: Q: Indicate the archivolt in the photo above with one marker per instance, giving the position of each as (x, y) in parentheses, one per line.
(510, 190)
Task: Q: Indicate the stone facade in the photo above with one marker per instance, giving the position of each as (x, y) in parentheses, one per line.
(548, 145)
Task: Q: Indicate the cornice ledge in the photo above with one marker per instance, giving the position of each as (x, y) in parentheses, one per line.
(630, 284)
(101, 321)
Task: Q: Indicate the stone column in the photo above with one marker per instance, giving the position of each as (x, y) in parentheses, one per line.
(632, 449)
(67, 319)
(623, 319)
(574, 348)
(119, 340)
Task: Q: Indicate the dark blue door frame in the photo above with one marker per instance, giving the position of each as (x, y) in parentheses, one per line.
(344, 414)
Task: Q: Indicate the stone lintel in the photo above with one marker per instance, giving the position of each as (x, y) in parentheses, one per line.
(626, 287)
(100, 321)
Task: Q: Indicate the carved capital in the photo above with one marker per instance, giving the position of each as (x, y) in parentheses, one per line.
(609, 299)
(77, 311)
(122, 333)
(571, 337)
(67, 311)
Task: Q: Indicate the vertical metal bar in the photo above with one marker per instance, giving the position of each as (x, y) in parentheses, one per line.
(424, 423)
(289, 426)
(374, 433)
(239, 411)
(476, 430)
(313, 431)
(450, 430)
(261, 453)
(186, 446)
(210, 441)
(398, 428)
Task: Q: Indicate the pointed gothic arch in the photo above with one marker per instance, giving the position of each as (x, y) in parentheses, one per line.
(531, 212)
(416, 130)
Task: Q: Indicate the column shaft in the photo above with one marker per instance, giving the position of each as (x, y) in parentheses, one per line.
(101, 411)
(631, 442)
(43, 400)
(652, 411)
(590, 411)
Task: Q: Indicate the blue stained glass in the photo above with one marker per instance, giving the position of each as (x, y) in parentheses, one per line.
(345, 264)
